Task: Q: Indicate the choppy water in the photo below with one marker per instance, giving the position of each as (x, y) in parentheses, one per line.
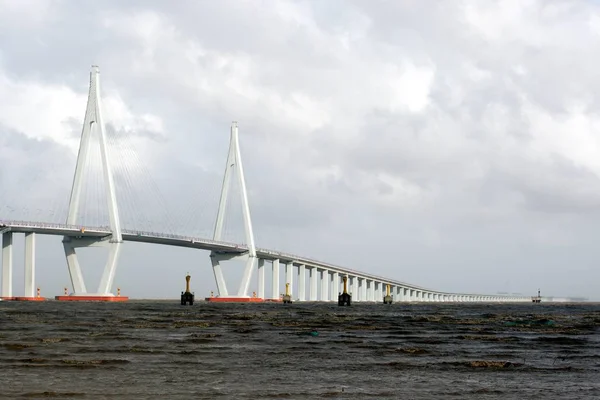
(164, 350)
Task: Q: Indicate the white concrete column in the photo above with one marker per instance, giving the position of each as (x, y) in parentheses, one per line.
(324, 285)
(289, 276)
(275, 286)
(313, 272)
(7, 264)
(335, 285)
(301, 282)
(362, 296)
(30, 264)
(261, 278)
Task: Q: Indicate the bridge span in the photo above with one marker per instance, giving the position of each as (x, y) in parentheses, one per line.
(324, 279)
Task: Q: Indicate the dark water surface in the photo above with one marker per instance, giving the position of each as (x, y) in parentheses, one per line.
(162, 350)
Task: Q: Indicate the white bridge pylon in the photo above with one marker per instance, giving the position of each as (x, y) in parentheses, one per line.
(234, 164)
(93, 124)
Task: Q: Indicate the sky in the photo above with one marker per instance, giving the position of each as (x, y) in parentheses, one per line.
(453, 145)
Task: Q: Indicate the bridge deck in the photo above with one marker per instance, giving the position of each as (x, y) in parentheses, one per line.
(196, 243)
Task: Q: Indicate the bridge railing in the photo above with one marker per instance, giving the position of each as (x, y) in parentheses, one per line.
(161, 235)
(158, 235)
(28, 224)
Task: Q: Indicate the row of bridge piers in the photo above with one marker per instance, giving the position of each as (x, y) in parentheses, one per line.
(304, 282)
(7, 266)
(314, 283)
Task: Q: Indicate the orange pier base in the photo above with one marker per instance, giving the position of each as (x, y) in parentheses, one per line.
(92, 298)
(7, 298)
(23, 298)
(234, 299)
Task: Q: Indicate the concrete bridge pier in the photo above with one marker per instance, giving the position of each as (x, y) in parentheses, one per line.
(275, 281)
(324, 285)
(335, 284)
(30, 264)
(289, 276)
(261, 278)
(313, 283)
(7, 265)
(301, 282)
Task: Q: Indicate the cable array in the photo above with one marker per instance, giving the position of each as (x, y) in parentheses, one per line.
(189, 207)
(34, 188)
(196, 201)
(142, 206)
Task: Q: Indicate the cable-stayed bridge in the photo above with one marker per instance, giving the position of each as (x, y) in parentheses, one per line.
(102, 211)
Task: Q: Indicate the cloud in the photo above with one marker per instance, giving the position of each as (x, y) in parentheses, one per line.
(449, 144)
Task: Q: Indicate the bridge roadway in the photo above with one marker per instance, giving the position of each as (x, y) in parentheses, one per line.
(410, 290)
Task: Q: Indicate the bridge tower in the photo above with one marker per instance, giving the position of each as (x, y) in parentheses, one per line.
(93, 124)
(234, 164)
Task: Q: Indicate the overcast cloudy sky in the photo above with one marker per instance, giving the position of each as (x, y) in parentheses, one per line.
(454, 145)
